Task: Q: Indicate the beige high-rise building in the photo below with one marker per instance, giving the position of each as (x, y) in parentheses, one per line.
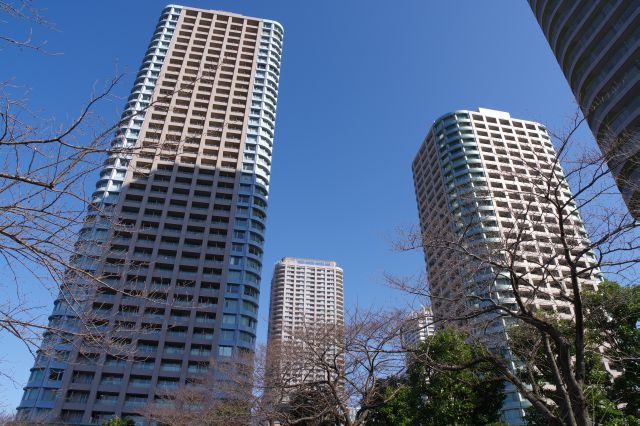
(176, 227)
(482, 182)
(307, 303)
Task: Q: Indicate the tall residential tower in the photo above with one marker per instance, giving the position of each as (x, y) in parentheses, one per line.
(597, 45)
(305, 294)
(482, 182)
(174, 234)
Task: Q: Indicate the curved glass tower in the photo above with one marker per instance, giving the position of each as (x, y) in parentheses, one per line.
(597, 45)
(167, 268)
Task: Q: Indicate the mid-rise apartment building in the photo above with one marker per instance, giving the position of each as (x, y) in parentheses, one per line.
(307, 302)
(174, 235)
(482, 182)
(597, 45)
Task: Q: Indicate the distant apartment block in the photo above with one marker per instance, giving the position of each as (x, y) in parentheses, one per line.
(418, 327)
(306, 295)
(597, 45)
(479, 182)
(176, 228)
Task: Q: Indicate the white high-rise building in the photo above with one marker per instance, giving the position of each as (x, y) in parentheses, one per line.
(306, 303)
(304, 292)
(418, 327)
(483, 181)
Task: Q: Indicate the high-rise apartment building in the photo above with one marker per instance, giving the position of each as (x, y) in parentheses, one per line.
(596, 45)
(306, 297)
(175, 231)
(418, 327)
(482, 182)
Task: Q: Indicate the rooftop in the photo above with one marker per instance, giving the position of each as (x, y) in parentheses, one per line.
(309, 262)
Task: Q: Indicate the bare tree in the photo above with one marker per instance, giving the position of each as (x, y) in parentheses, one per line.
(230, 400)
(323, 375)
(7, 419)
(195, 405)
(529, 279)
(47, 217)
(330, 374)
(43, 174)
(23, 11)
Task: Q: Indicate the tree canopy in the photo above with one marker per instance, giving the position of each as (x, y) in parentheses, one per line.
(117, 421)
(428, 395)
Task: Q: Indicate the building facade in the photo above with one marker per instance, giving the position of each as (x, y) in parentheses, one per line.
(307, 301)
(168, 264)
(418, 327)
(481, 181)
(597, 45)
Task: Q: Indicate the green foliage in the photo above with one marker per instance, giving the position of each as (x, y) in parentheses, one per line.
(397, 410)
(431, 395)
(612, 314)
(467, 397)
(533, 418)
(597, 380)
(117, 421)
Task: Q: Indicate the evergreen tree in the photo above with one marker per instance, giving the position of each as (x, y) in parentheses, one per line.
(430, 395)
(117, 421)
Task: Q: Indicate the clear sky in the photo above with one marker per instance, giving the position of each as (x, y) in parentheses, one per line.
(361, 83)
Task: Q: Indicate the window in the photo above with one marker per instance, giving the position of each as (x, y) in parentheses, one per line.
(36, 374)
(231, 304)
(250, 291)
(247, 321)
(250, 306)
(228, 334)
(62, 355)
(49, 394)
(82, 377)
(253, 263)
(134, 399)
(30, 394)
(251, 277)
(246, 337)
(107, 398)
(166, 382)
(55, 374)
(111, 379)
(228, 319)
(174, 348)
(72, 416)
(170, 366)
(77, 396)
(144, 365)
(139, 381)
(225, 350)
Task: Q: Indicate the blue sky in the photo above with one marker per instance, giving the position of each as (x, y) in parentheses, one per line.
(361, 83)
